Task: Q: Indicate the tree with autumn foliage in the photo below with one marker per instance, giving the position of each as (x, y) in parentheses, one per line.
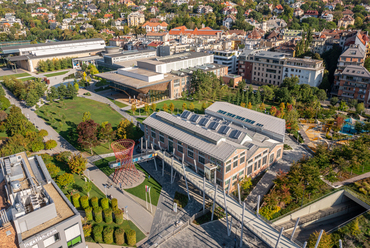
(273, 110)
(249, 105)
(326, 240)
(291, 116)
(106, 132)
(338, 124)
(262, 106)
(88, 134)
(77, 164)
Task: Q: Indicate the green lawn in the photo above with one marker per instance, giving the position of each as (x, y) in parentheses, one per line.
(119, 104)
(27, 78)
(56, 74)
(126, 225)
(24, 74)
(73, 111)
(178, 107)
(138, 191)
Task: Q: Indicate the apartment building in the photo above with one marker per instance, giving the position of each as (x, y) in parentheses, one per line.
(227, 58)
(309, 71)
(226, 144)
(352, 83)
(354, 55)
(135, 19)
(42, 216)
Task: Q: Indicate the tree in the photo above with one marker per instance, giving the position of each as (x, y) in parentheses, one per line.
(352, 103)
(333, 101)
(65, 180)
(191, 107)
(106, 132)
(87, 134)
(246, 183)
(262, 107)
(172, 107)
(86, 116)
(165, 107)
(4, 103)
(338, 124)
(249, 105)
(123, 129)
(50, 144)
(321, 95)
(52, 169)
(32, 98)
(133, 108)
(153, 107)
(184, 107)
(343, 106)
(77, 87)
(325, 241)
(3, 115)
(77, 164)
(360, 107)
(273, 110)
(43, 133)
(86, 187)
(204, 106)
(267, 93)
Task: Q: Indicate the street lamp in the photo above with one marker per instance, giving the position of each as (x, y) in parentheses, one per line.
(303, 193)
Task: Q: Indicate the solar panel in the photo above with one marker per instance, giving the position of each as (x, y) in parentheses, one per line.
(252, 122)
(194, 118)
(226, 129)
(213, 125)
(235, 134)
(203, 121)
(185, 114)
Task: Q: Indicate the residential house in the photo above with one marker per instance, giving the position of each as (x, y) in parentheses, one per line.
(347, 12)
(155, 26)
(42, 10)
(153, 36)
(310, 13)
(354, 55)
(229, 11)
(328, 17)
(346, 21)
(135, 19)
(204, 9)
(228, 21)
(279, 9)
(154, 10)
(298, 12)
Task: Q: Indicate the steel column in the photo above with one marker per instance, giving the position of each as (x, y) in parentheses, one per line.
(278, 241)
(295, 227)
(258, 205)
(241, 231)
(204, 193)
(214, 202)
(186, 181)
(318, 239)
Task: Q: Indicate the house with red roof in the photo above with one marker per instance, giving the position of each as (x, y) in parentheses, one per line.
(153, 36)
(155, 26)
(109, 16)
(206, 32)
(228, 21)
(279, 9)
(229, 11)
(42, 10)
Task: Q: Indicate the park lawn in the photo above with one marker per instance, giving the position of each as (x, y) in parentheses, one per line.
(27, 78)
(178, 107)
(73, 111)
(138, 191)
(119, 104)
(24, 74)
(3, 135)
(56, 74)
(126, 225)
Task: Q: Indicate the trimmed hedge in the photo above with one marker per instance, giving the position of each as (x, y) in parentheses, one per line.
(95, 202)
(114, 204)
(108, 235)
(97, 230)
(119, 236)
(118, 214)
(105, 203)
(87, 230)
(98, 214)
(88, 213)
(131, 237)
(75, 199)
(108, 215)
(84, 201)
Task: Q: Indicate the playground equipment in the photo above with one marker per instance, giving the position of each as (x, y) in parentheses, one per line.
(125, 172)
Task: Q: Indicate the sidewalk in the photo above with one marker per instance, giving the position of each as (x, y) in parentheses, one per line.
(137, 214)
(351, 180)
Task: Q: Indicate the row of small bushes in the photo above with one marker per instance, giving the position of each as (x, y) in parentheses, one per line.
(98, 215)
(105, 235)
(84, 202)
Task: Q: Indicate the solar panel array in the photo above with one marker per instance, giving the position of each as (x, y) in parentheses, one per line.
(238, 117)
(185, 114)
(194, 118)
(214, 125)
(235, 134)
(203, 121)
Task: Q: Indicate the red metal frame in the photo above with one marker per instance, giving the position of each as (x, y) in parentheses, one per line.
(126, 173)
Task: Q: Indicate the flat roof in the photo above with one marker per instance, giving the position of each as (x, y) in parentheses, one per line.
(131, 82)
(128, 53)
(268, 54)
(27, 57)
(62, 208)
(51, 43)
(176, 57)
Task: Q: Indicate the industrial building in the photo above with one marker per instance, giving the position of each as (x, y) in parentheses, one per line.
(164, 77)
(28, 56)
(36, 210)
(230, 141)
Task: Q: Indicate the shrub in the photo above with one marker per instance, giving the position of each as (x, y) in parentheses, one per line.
(88, 213)
(52, 169)
(363, 191)
(63, 156)
(43, 133)
(87, 230)
(114, 204)
(84, 201)
(98, 214)
(118, 214)
(119, 236)
(108, 215)
(108, 235)
(75, 199)
(97, 230)
(95, 202)
(50, 144)
(181, 199)
(131, 237)
(105, 203)
(37, 146)
(5, 103)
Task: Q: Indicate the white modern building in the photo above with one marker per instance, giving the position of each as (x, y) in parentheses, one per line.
(228, 58)
(309, 71)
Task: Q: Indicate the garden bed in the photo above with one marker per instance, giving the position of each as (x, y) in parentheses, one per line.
(181, 199)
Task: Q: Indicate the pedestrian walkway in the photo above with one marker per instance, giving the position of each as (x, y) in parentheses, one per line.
(136, 213)
(351, 180)
(256, 225)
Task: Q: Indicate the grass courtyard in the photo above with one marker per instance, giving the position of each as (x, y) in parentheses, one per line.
(56, 74)
(27, 78)
(72, 112)
(118, 103)
(24, 74)
(138, 191)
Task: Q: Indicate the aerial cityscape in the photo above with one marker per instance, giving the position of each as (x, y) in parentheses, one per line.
(182, 123)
